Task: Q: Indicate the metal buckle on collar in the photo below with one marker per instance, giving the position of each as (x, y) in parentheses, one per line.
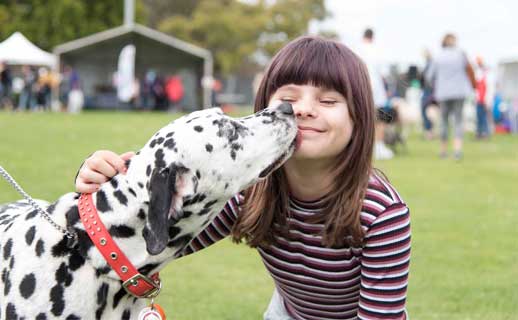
(133, 281)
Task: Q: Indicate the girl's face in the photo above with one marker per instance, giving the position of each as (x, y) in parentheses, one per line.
(323, 120)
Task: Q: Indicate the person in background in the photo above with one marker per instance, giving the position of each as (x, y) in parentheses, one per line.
(427, 98)
(6, 86)
(482, 131)
(28, 95)
(452, 78)
(146, 91)
(371, 55)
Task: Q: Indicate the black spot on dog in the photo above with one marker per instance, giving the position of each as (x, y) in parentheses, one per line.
(230, 129)
(141, 214)
(174, 231)
(170, 143)
(61, 248)
(27, 286)
(29, 236)
(56, 298)
(40, 248)
(7, 248)
(72, 215)
(41, 316)
(141, 185)
(152, 143)
(128, 162)
(234, 148)
(11, 262)
(121, 231)
(51, 208)
(180, 242)
(126, 314)
(148, 170)
(203, 211)
(75, 261)
(84, 242)
(118, 296)
(198, 174)
(7, 281)
(132, 192)
(146, 269)
(198, 128)
(121, 197)
(8, 227)
(159, 159)
(10, 312)
(114, 183)
(102, 294)
(102, 202)
(209, 147)
(63, 276)
(72, 317)
(209, 204)
(170, 134)
(160, 140)
(189, 121)
(186, 214)
(226, 185)
(102, 271)
(31, 214)
(187, 201)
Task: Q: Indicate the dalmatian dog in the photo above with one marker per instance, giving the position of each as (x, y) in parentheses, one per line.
(174, 187)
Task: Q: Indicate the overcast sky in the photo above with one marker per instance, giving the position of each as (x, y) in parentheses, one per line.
(403, 28)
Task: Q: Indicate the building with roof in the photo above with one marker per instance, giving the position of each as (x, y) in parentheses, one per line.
(95, 59)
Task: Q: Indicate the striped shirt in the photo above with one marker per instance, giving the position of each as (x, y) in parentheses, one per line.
(316, 282)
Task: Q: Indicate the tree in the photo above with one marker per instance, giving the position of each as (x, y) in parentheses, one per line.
(289, 19)
(158, 10)
(236, 32)
(49, 23)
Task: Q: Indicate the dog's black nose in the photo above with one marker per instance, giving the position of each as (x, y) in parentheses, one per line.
(286, 108)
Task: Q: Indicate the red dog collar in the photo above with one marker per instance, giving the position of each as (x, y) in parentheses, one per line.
(134, 282)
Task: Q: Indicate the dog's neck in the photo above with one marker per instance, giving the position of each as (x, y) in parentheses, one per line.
(121, 205)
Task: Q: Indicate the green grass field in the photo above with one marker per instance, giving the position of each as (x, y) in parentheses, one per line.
(464, 218)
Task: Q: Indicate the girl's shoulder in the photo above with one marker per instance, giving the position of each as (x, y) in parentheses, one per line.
(381, 194)
(383, 207)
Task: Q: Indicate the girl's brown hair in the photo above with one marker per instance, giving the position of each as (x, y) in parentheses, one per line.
(329, 64)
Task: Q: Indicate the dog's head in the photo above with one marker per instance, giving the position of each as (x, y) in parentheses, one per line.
(194, 165)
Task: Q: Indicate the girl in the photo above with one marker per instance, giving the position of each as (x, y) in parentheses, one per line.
(332, 232)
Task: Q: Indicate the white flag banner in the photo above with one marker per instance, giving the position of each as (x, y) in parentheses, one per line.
(126, 73)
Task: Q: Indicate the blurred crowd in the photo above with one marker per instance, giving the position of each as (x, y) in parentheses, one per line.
(440, 90)
(30, 88)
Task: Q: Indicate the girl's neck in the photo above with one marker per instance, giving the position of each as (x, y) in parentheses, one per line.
(308, 180)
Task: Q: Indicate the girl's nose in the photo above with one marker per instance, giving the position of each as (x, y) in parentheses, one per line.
(303, 109)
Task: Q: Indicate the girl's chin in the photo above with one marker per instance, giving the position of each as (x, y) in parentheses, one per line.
(306, 153)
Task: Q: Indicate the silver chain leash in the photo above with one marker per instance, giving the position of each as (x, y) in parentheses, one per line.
(44, 214)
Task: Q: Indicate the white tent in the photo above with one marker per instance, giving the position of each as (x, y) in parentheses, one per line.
(18, 50)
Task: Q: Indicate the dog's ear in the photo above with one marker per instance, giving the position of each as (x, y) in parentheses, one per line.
(167, 188)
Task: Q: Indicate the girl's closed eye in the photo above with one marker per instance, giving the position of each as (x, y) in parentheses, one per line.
(328, 102)
(288, 99)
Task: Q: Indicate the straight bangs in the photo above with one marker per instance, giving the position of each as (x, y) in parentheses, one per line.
(311, 60)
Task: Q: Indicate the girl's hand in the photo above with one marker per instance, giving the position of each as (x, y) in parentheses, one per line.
(99, 168)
